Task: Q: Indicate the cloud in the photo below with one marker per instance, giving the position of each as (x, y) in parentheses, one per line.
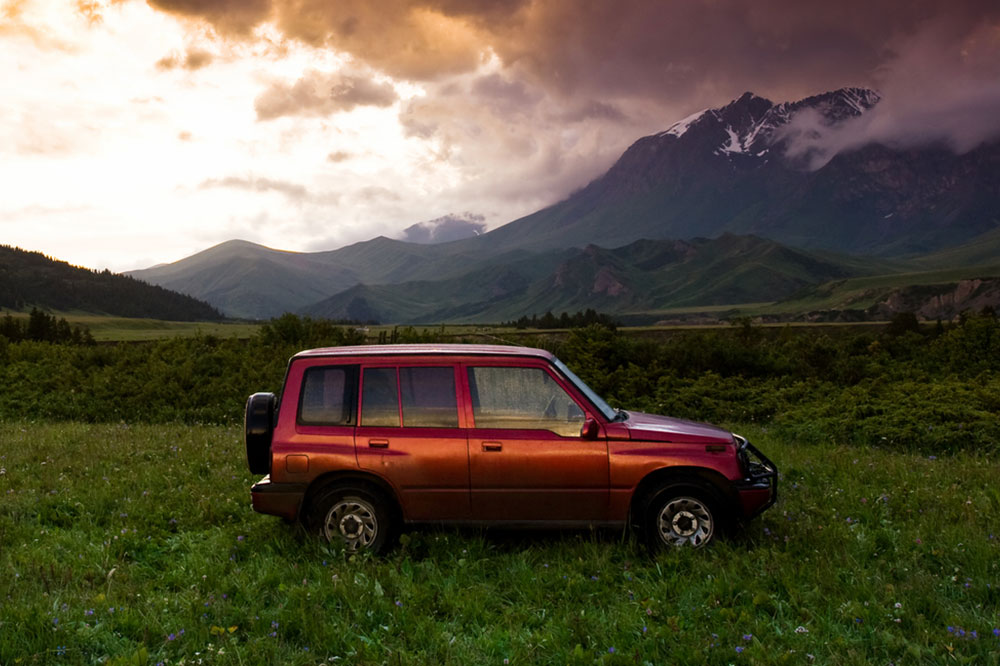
(658, 49)
(291, 190)
(192, 60)
(234, 17)
(319, 94)
(937, 89)
(339, 156)
(295, 193)
(444, 229)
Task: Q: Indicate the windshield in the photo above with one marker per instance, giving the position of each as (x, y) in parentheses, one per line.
(597, 400)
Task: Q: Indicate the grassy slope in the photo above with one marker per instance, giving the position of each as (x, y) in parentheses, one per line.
(652, 275)
(141, 544)
(859, 293)
(984, 251)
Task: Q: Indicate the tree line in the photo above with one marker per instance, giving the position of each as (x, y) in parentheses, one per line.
(43, 327)
(588, 317)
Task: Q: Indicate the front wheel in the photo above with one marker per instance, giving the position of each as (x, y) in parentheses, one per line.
(680, 517)
(355, 517)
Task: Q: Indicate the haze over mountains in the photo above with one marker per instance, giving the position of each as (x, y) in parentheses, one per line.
(784, 212)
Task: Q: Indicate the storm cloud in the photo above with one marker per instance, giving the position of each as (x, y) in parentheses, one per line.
(638, 60)
(933, 92)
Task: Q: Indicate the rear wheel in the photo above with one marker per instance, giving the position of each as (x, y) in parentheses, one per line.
(356, 517)
(679, 517)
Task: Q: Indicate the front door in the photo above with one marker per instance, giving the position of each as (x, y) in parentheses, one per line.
(526, 457)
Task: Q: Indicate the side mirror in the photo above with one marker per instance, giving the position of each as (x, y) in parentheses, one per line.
(590, 429)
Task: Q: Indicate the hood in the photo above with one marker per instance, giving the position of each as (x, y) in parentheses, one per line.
(654, 428)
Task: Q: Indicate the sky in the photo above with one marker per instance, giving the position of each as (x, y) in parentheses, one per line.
(135, 132)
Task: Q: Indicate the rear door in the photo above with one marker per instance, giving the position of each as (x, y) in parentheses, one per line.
(527, 459)
(410, 433)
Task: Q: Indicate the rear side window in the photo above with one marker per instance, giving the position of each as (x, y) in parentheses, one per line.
(522, 398)
(427, 396)
(329, 396)
(380, 398)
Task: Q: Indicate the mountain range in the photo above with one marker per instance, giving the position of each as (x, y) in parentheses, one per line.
(723, 207)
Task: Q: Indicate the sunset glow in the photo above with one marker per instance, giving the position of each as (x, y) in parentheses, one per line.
(136, 133)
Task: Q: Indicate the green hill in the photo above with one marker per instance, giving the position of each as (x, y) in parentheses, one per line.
(643, 276)
(30, 279)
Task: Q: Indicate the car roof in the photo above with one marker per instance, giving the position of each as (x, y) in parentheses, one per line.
(426, 350)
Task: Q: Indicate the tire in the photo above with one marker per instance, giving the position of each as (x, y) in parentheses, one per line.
(681, 517)
(360, 518)
(258, 426)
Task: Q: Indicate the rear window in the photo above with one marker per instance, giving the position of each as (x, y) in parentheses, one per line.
(328, 396)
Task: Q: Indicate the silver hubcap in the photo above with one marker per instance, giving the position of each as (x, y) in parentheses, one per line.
(685, 521)
(353, 520)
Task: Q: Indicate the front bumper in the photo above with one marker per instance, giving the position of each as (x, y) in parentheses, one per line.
(277, 499)
(758, 491)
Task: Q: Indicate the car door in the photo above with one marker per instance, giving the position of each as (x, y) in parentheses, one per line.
(527, 459)
(410, 434)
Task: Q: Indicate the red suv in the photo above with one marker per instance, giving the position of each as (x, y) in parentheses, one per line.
(365, 439)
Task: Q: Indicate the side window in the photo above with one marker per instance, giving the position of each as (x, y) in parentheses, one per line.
(528, 398)
(428, 397)
(328, 396)
(380, 398)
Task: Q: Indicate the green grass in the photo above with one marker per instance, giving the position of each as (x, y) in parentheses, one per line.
(106, 328)
(136, 544)
(862, 292)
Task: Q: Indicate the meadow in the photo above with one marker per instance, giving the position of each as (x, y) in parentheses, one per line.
(126, 535)
(127, 544)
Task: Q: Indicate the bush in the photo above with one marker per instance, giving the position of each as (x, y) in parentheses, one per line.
(904, 391)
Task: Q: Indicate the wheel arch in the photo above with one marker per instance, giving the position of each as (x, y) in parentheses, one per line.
(370, 482)
(713, 483)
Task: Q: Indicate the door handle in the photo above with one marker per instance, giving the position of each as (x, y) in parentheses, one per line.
(492, 446)
(378, 443)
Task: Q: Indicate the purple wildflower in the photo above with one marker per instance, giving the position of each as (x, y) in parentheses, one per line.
(747, 637)
(739, 648)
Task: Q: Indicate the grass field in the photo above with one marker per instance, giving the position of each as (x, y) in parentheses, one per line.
(136, 544)
(105, 328)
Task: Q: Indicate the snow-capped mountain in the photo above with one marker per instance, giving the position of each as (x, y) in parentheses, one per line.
(754, 166)
(751, 123)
